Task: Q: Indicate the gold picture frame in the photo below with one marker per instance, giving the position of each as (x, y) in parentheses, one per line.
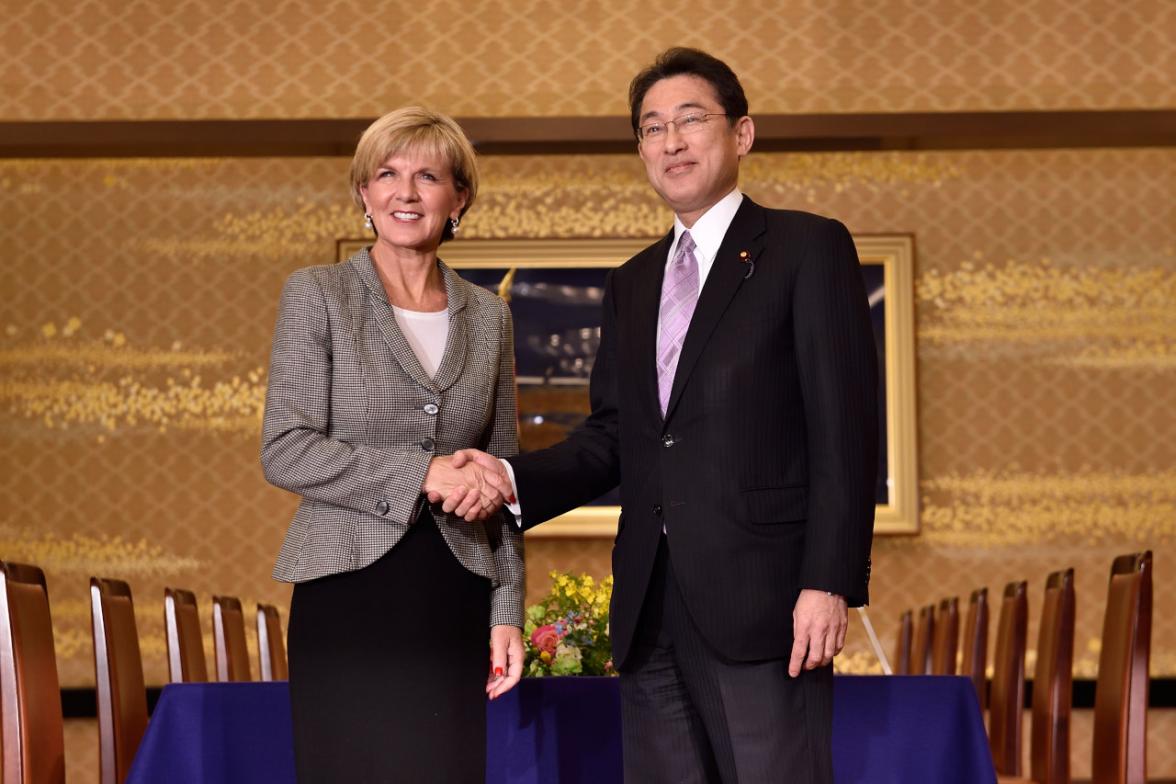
(892, 254)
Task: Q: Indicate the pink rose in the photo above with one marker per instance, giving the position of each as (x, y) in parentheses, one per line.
(545, 638)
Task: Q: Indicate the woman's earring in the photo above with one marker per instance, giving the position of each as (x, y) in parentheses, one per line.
(367, 221)
(453, 224)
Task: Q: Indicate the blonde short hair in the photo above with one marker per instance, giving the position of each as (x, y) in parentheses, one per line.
(417, 129)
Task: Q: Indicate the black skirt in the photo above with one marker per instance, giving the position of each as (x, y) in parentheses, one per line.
(388, 668)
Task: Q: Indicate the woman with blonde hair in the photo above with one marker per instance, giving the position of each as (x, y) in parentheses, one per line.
(382, 367)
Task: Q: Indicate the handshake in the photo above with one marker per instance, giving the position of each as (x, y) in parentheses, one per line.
(470, 484)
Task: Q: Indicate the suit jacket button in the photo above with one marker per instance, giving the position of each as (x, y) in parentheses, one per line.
(657, 510)
(428, 444)
(382, 508)
(667, 440)
(430, 409)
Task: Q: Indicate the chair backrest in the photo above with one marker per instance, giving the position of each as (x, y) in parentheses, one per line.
(1053, 683)
(921, 649)
(30, 694)
(228, 638)
(902, 647)
(1007, 697)
(974, 661)
(118, 676)
(271, 651)
(1120, 697)
(946, 637)
(185, 643)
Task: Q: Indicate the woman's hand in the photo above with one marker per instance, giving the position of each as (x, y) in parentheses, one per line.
(506, 659)
(467, 491)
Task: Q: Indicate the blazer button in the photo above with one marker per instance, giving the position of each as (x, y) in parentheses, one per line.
(428, 444)
(430, 409)
(657, 510)
(667, 440)
(382, 508)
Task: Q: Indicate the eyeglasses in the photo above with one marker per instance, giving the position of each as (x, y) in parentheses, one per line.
(686, 124)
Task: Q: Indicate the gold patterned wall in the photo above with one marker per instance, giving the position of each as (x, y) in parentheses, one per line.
(140, 295)
(110, 59)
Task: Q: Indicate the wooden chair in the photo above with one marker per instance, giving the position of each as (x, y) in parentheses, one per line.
(946, 637)
(118, 675)
(902, 647)
(1119, 754)
(1008, 681)
(974, 660)
(271, 651)
(185, 643)
(921, 649)
(1053, 683)
(30, 694)
(228, 636)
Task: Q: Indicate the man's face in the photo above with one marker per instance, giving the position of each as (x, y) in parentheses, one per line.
(692, 170)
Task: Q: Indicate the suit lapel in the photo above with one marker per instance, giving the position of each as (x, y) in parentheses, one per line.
(730, 268)
(454, 358)
(453, 361)
(646, 304)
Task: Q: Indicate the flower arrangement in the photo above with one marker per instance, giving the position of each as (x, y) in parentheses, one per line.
(567, 633)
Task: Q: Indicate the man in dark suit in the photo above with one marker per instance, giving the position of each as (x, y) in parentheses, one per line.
(734, 400)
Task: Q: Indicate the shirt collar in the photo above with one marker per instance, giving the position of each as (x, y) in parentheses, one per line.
(708, 231)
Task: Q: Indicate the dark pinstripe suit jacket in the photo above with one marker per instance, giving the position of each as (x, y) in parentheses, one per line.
(352, 420)
(763, 469)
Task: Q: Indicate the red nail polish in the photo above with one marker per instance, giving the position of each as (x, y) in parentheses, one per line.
(498, 672)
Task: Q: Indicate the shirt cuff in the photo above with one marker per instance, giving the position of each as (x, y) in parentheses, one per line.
(515, 508)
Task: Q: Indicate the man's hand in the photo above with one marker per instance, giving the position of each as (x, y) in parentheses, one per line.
(819, 621)
(491, 475)
(506, 660)
(495, 473)
(468, 490)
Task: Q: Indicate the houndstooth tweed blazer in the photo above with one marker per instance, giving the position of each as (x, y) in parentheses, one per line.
(352, 421)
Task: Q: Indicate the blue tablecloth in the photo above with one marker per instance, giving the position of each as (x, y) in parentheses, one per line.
(896, 730)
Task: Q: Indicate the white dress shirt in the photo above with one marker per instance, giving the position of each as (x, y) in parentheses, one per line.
(708, 232)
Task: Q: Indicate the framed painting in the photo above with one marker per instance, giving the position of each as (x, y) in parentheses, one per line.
(555, 286)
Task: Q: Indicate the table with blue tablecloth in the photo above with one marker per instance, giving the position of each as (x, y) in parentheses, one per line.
(886, 730)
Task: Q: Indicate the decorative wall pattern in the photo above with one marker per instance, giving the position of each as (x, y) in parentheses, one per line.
(140, 296)
(201, 59)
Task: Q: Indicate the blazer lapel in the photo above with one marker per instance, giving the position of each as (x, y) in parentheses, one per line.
(453, 361)
(381, 311)
(730, 269)
(646, 304)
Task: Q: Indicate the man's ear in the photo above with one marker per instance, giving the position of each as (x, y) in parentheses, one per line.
(744, 135)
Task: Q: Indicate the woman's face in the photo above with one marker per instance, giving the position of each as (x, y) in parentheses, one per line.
(411, 197)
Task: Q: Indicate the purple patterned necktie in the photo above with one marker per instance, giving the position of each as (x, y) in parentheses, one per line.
(679, 295)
